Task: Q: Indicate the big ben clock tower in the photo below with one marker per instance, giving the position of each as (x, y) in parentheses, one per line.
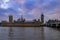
(42, 18)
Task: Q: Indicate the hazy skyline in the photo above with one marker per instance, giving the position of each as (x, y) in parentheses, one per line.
(30, 9)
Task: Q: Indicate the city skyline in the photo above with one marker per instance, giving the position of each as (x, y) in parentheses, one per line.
(30, 9)
(22, 22)
(21, 18)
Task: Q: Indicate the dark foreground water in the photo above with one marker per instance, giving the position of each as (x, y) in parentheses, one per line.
(29, 33)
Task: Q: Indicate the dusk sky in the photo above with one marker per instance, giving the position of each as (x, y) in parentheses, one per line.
(30, 9)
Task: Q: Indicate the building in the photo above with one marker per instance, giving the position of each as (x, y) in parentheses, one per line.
(21, 22)
(10, 18)
(42, 18)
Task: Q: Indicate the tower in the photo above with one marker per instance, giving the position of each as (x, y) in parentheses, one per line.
(10, 18)
(42, 18)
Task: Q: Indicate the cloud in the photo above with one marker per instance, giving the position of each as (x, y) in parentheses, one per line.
(31, 8)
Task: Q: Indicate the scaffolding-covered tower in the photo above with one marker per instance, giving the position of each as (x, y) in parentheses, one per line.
(10, 18)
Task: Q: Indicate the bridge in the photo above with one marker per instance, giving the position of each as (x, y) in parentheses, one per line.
(53, 24)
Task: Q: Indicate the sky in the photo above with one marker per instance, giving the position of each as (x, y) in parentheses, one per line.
(30, 9)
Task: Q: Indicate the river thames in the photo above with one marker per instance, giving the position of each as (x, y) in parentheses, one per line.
(29, 33)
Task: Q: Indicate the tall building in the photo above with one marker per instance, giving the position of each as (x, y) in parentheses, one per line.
(42, 18)
(10, 18)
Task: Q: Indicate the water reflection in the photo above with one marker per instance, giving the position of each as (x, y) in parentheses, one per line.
(29, 33)
(10, 34)
(16, 33)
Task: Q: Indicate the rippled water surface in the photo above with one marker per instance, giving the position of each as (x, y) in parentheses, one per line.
(29, 33)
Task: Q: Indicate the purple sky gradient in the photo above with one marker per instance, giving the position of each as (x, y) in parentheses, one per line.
(30, 9)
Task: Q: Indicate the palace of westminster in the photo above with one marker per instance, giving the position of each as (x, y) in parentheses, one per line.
(21, 21)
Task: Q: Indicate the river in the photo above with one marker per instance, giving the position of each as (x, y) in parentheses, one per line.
(29, 33)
